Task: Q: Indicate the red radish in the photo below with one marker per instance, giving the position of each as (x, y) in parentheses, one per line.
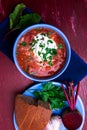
(71, 117)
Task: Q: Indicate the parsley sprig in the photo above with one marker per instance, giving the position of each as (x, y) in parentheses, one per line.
(52, 94)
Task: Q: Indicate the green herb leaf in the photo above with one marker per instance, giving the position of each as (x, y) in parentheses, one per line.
(48, 33)
(48, 86)
(53, 51)
(39, 53)
(30, 43)
(34, 41)
(50, 63)
(19, 21)
(60, 46)
(50, 57)
(23, 43)
(44, 56)
(44, 34)
(52, 94)
(57, 103)
(42, 45)
(15, 15)
(32, 48)
(26, 69)
(45, 97)
(49, 41)
(27, 20)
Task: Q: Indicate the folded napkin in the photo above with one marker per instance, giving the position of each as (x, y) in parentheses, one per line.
(76, 70)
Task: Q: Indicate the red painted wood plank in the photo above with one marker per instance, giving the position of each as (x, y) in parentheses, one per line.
(71, 17)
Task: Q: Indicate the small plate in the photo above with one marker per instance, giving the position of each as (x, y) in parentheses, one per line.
(79, 104)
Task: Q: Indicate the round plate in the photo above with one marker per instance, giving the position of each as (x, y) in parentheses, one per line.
(79, 104)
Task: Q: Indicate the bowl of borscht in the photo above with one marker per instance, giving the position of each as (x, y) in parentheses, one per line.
(41, 52)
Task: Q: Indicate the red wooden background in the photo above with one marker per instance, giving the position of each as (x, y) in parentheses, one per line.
(68, 15)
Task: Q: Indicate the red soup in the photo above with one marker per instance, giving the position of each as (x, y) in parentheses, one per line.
(41, 52)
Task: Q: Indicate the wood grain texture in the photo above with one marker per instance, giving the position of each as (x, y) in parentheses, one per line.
(71, 17)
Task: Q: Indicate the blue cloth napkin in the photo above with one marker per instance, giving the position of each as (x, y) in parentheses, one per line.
(76, 70)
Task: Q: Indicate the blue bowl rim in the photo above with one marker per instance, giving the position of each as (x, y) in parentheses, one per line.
(67, 46)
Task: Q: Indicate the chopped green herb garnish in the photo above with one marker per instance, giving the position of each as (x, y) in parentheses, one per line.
(39, 53)
(50, 63)
(43, 34)
(48, 50)
(60, 46)
(23, 43)
(50, 57)
(45, 52)
(32, 49)
(26, 69)
(48, 33)
(53, 51)
(41, 45)
(45, 57)
(17, 53)
(49, 41)
(35, 41)
(30, 43)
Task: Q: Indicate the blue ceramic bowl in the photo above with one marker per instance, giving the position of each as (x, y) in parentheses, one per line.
(66, 44)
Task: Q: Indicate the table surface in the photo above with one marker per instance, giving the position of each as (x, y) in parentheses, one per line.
(71, 17)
